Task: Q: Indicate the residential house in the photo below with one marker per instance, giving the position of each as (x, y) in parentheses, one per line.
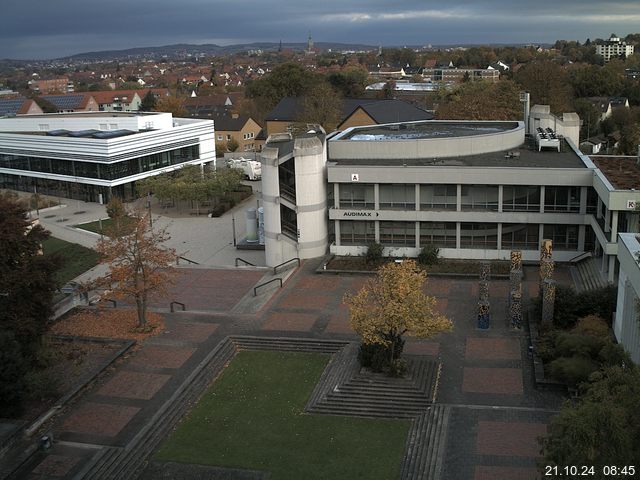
(18, 106)
(355, 112)
(77, 102)
(240, 128)
(55, 85)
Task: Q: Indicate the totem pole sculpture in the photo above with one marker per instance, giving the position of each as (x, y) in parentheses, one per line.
(484, 316)
(515, 292)
(547, 284)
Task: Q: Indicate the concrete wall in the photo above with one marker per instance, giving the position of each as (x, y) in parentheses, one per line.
(428, 147)
(86, 121)
(568, 125)
(626, 326)
(311, 196)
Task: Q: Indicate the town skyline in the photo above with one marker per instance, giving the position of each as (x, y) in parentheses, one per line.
(71, 27)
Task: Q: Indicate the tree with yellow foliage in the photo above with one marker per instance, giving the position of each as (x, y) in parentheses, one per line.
(391, 305)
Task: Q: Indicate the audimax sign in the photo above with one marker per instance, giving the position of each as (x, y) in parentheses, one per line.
(359, 213)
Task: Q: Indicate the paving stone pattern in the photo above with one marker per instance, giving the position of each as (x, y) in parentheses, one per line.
(482, 425)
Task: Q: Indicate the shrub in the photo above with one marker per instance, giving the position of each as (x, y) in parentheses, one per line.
(572, 370)
(13, 368)
(613, 354)
(570, 344)
(592, 325)
(429, 255)
(374, 253)
(41, 385)
(398, 367)
(373, 356)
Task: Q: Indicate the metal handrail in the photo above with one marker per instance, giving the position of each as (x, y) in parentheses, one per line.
(284, 263)
(177, 303)
(255, 289)
(577, 258)
(178, 257)
(243, 261)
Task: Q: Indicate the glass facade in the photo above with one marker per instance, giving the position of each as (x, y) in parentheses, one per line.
(398, 197)
(102, 171)
(356, 196)
(520, 198)
(438, 197)
(562, 199)
(480, 197)
(479, 235)
(439, 234)
(520, 236)
(565, 237)
(357, 233)
(400, 234)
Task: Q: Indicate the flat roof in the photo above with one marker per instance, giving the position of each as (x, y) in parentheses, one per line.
(89, 114)
(425, 130)
(622, 172)
(525, 156)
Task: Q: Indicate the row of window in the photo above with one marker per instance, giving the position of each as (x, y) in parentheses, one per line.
(111, 171)
(472, 235)
(520, 198)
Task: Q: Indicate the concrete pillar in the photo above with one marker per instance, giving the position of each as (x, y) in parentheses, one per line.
(458, 199)
(581, 237)
(458, 229)
(336, 195)
(499, 244)
(614, 226)
(377, 231)
(336, 224)
(607, 221)
(542, 193)
(500, 200)
(417, 234)
(612, 268)
(417, 195)
(583, 200)
(376, 196)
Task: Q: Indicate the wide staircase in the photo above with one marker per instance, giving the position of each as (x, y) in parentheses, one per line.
(587, 275)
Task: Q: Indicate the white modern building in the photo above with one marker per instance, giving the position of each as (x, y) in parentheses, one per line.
(614, 48)
(82, 155)
(475, 190)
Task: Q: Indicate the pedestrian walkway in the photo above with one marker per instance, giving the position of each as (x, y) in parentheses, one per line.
(488, 412)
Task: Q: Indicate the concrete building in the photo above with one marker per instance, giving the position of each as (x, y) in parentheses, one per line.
(82, 155)
(626, 326)
(54, 85)
(614, 48)
(475, 190)
(294, 196)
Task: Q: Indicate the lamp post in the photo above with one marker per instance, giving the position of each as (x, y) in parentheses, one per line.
(149, 207)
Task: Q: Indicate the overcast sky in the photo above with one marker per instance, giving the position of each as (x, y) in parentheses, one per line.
(40, 29)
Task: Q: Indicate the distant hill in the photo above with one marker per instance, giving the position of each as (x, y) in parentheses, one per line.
(183, 50)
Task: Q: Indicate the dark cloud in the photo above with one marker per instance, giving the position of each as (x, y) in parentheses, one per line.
(46, 29)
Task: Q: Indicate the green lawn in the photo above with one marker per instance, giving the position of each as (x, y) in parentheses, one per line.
(95, 226)
(252, 417)
(75, 259)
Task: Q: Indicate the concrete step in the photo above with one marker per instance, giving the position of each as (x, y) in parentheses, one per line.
(426, 444)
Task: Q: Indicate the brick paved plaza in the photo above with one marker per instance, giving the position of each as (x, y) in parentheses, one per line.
(486, 379)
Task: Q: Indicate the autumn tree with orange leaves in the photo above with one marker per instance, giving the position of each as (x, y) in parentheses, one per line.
(390, 305)
(140, 266)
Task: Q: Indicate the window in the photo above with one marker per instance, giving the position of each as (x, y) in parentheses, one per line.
(479, 235)
(228, 137)
(43, 127)
(220, 137)
(480, 197)
(520, 198)
(398, 197)
(357, 233)
(564, 237)
(562, 199)
(520, 236)
(113, 126)
(103, 126)
(401, 234)
(354, 195)
(438, 197)
(439, 234)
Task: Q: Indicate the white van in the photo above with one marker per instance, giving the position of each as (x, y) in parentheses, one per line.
(251, 169)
